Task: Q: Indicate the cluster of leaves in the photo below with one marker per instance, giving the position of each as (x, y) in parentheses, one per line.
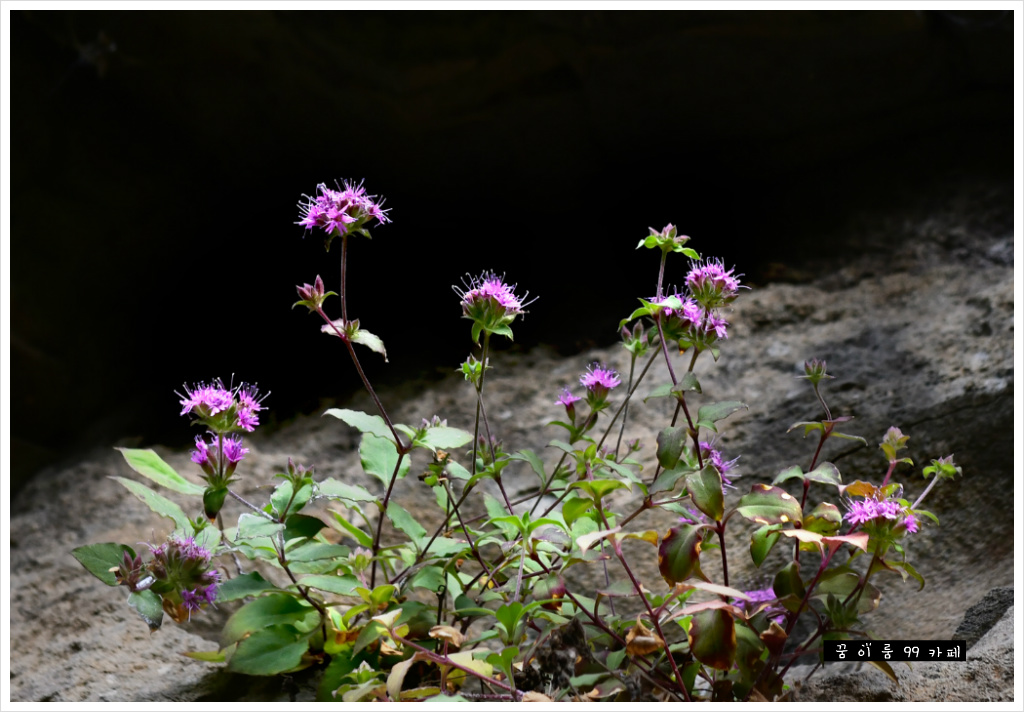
(484, 607)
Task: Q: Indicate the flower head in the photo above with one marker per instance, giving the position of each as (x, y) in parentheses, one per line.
(710, 454)
(339, 212)
(599, 380)
(182, 577)
(711, 284)
(219, 457)
(567, 398)
(598, 377)
(490, 303)
(871, 512)
(221, 409)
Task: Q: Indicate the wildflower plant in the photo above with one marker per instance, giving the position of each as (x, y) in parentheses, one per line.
(472, 607)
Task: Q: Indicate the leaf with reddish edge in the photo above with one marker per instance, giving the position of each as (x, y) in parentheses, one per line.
(670, 446)
(858, 488)
(857, 539)
(679, 553)
(712, 637)
(705, 488)
(762, 541)
(765, 504)
(714, 588)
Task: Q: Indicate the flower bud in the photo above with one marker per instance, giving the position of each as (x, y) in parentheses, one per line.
(312, 295)
(815, 371)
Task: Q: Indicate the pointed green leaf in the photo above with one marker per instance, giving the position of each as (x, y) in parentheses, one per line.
(762, 541)
(826, 473)
(251, 526)
(667, 480)
(670, 446)
(574, 507)
(711, 413)
(250, 584)
(344, 585)
(270, 651)
(370, 341)
(157, 502)
(444, 438)
(705, 488)
(790, 473)
(282, 497)
(149, 606)
(530, 457)
(148, 464)
(379, 458)
(362, 422)
(824, 519)
(272, 609)
(302, 525)
(404, 521)
(599, 488)
(333, 489)
(98, 559)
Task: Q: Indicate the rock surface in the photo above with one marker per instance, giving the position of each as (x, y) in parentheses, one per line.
(917, 327)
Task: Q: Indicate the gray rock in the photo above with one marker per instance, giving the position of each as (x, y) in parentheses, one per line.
(982, 616)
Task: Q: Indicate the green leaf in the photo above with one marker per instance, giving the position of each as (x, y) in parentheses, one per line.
(315, 550)
(361, 537)
(251, 526)
(271, 651)
(761, 543)
(370, 341)
(599, 488)
(379, 458)
(345, 585)
(265, 611)
(441, 547)
(443, 437)
(373, 424)
(712, 637)
(98, 559)
(667, 480)
(790, 473)
(679, 553)
(149, 606)
(404, 521)
(250, 584)
(302, 525)
(333, 489)
(711, 413)
(531, 457)
(282, 496)
(207, 656)
(670, 446)
(769, 505)
(148, 464)
(705, 488)
(157, 502)
(826, 473)
(824, 519)
(575, 507)
(508, 617)
(787, 581)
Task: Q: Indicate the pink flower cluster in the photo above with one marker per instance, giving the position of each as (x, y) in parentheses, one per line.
(489, 287)
(209, 453)
(710, 454)
(866, 510)
(207, 400)
(598, 378)
(712, 278)
(692, 316)
(337, 210)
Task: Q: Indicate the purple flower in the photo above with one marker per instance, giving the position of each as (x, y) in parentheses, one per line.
(710, 454)
(869, 509)
(910, 522)
(338, 211)
(206, 399)
(489, 287)
(861, 511)
(490, 303)
(599, 378)
(711, 285)
(192, 600)
(223, 409)
(567, 398)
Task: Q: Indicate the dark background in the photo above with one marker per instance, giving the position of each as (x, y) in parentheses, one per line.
(157, 158)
